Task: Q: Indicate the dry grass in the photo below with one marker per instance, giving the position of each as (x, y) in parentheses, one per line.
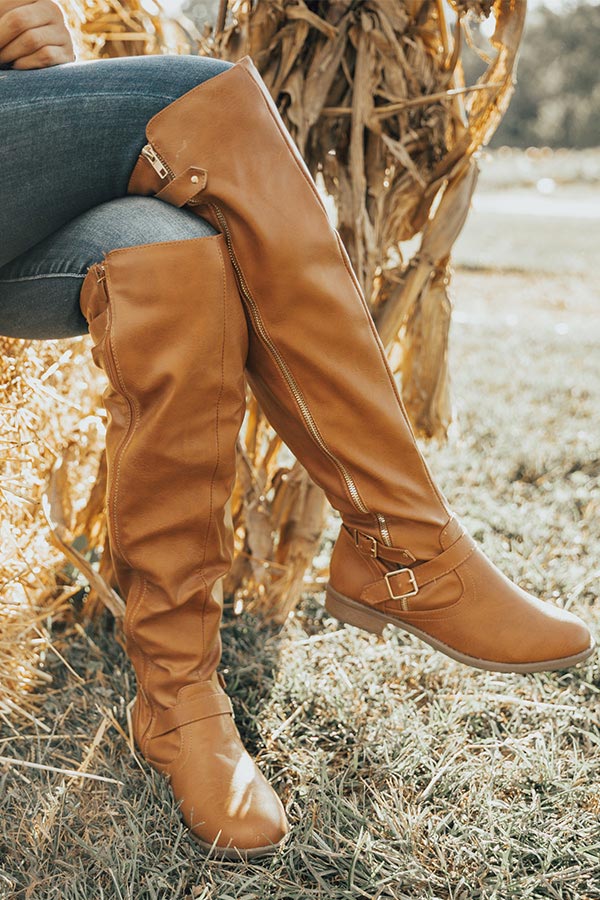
(47, 405)
(405, 775)
(423, 148)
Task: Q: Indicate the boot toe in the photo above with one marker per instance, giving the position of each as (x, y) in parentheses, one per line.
(262, 822)
(571, 638)
(248, 820)
(225, 798)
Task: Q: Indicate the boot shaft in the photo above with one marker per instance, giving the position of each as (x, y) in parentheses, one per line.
(316, 362)
(169, 332)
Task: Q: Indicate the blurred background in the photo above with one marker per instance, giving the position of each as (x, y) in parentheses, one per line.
(542, 173)
(537, 204)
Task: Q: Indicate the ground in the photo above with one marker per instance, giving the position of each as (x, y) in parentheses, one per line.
(404, 774)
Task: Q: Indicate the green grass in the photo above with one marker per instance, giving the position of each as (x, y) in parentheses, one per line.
(405, 774)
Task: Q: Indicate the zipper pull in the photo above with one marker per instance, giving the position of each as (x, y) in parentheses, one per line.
(159, 167)
(101, 272)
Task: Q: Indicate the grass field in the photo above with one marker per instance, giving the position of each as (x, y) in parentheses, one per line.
(534, 211)
(405, 775)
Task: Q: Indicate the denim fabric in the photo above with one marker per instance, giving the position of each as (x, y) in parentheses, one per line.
(70, 136)
(39, 290)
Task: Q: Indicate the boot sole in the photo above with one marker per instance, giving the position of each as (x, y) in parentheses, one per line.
(352, 613)
(237, 854)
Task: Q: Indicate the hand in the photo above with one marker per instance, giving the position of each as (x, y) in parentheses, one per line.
(33, 34)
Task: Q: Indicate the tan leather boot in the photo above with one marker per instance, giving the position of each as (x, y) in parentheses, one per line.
(169, 331)
(320, 372)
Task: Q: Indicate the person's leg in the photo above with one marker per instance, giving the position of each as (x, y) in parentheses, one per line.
(71, 134)
(169, 331)
(320, 372)
(39, 289)
(155, 288)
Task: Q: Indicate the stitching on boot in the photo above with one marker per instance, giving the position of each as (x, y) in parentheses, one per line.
(355, 284)
(132, 425)
(133, 421)
(218, 449)
(423, 615)
(153, 244)
(330, 455)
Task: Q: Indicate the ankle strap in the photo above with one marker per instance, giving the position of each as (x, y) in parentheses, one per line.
(370, 546)
(201, 707)
(400, 584)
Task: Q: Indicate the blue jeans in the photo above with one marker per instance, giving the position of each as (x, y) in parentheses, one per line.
(71, 135)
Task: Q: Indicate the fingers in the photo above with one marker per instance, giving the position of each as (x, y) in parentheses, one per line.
(19, 19)
(49, 55)
(34, 35)
(5, 5)
(29, 43)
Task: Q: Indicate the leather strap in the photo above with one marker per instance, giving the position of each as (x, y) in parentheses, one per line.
(406, 582)
(184, 186)
(201, 707)
(370, 546)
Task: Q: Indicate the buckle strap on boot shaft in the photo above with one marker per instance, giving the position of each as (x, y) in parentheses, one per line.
(181, 189)
(202, 707)
(370, 546)
(402, 583)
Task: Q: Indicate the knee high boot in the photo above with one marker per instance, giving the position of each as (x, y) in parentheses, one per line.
(319, 370)
(169, 331)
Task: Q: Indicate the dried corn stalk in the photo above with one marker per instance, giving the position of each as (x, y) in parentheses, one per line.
(107, 28)
(51, 439)
(48, 413)
(374, 96)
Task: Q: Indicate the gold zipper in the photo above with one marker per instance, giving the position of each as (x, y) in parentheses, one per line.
(108, 356)
(291, 381)
(159, 166)
(164, 171)
(384, 530)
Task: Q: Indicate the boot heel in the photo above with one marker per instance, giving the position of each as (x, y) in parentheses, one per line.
(352, 613)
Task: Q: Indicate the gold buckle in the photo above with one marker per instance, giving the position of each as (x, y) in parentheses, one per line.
(412, 579)
(369, 537)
